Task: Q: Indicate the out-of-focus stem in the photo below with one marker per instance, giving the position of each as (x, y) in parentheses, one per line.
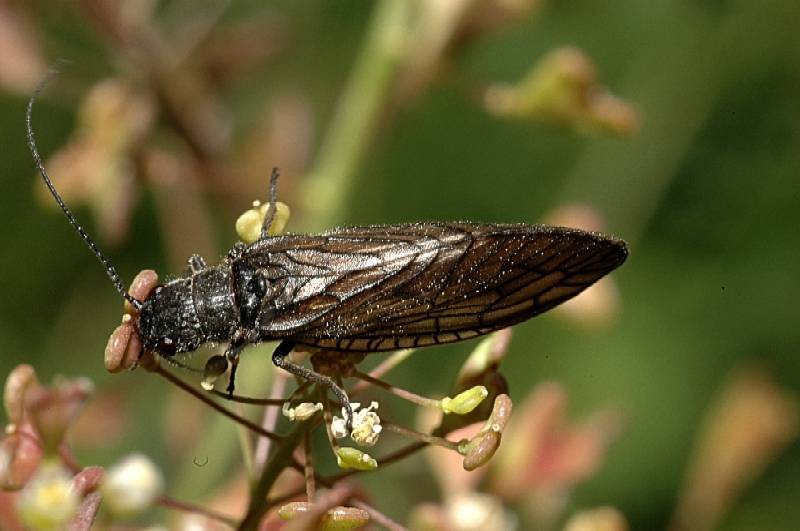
(280, 459)
(378, 517)
(186, 507)
(246, 445)
(200, 396)
(269, 421)
(329, 184)
(308, 467)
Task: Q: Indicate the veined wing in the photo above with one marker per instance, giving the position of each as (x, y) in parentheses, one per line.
(395, 286)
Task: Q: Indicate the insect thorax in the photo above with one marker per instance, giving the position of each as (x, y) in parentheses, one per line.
(187, 312)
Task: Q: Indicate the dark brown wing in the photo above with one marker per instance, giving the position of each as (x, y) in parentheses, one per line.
(395, 286)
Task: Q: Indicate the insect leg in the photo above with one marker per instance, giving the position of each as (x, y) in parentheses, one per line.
(238, 342)
(279, 358)
(232, 378)
(273, 203)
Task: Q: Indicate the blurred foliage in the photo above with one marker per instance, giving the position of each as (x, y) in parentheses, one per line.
(705, 192)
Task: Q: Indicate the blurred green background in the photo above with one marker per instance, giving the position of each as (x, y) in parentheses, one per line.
(706, 192)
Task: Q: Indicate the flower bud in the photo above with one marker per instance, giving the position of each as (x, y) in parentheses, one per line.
(48, 501)
(344, 519)
(751, 422)
(486, 356)
(292, 510)
(53, 409)
(562, 89)
(473, 511)
(347, 457)
(20, 456)
(301, 412)
(480, 449)
(464, 402)
(336, 519)
(131, 486)
(599, 519)
(249, 224)
(18, 381)
(501, 412)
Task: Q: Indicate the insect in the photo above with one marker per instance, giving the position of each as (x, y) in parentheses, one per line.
(362, 289)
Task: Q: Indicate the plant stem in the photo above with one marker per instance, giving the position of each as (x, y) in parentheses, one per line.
(397, 391)
(419, 436)
(201, 396)
(378, 517)
(329, 184)
(280, 459)
(395, 359)
(308, 467)
(269, 421)
(173, 504)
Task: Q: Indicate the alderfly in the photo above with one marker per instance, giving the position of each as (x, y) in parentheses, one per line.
(362, 289)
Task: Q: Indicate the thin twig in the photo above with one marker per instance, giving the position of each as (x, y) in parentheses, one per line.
(251, 400)
(395, 359)
(397, 391)
(246, 444)
(378, 517)
(308, 467)
(170, 503)
(269, 421)
(327, 417)
(419, 436)
(328, 481)
(158, 369)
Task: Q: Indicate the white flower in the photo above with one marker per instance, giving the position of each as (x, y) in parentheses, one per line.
(366, 424)
(473, 511)
(131, 486)
(48, 500)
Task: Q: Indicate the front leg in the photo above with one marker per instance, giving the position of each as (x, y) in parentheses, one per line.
(238, 342)
(279, 358)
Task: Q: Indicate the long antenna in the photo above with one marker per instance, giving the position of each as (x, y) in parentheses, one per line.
(37, 159)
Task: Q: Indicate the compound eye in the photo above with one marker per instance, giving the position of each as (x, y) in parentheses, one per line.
(166, 347)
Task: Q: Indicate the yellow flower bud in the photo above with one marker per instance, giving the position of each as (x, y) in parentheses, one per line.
(248, 226)
(347, 457)
(464, 402)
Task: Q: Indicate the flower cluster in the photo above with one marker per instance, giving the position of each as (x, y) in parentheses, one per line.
(43, 486)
